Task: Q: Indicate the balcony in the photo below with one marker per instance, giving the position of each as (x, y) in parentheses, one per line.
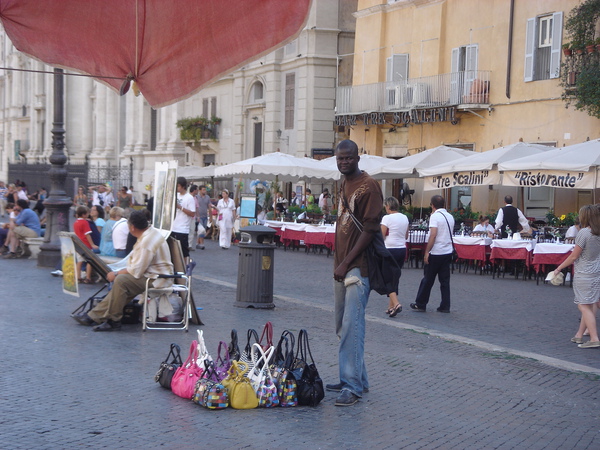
(464, 90)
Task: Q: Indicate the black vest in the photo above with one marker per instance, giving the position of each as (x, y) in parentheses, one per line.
(511, 218)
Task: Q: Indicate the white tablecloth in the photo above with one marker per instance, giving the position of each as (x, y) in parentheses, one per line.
(509, 243)
(546, 248)
(471, 240)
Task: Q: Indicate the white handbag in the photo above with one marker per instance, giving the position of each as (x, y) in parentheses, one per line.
(261, 361)
(203, 354)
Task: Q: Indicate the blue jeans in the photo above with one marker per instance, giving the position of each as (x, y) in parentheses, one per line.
(351, 297)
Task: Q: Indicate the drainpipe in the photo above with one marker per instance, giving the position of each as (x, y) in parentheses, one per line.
(510, 38)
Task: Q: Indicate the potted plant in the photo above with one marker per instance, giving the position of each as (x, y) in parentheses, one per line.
(590, 46)
(214, 120)
(567, 51)
(314, 212)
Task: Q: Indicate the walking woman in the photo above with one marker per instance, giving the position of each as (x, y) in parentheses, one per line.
(394, 227)
(226, 208)
(586, 279)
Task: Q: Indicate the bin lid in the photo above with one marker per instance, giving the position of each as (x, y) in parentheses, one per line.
(256, 230)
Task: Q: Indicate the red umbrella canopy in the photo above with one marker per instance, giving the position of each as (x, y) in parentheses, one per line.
(171, 49)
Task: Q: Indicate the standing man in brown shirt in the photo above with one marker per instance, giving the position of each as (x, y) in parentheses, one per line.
(361, 196)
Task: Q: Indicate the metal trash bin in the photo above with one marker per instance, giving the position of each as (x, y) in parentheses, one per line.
(255, 268)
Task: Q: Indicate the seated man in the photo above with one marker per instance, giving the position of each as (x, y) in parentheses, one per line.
(26, 224)
(150, 256)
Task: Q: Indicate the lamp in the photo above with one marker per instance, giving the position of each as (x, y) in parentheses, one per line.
(286, 139)
(255, 118)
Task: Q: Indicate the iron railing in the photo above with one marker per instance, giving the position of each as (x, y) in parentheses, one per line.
(451, 89)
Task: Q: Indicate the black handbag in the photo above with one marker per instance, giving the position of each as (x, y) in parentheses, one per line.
(384, 271)
(233, 349)
(310, 385)
(167, 368)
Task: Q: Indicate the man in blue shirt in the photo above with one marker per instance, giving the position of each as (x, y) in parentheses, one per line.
(25, 225)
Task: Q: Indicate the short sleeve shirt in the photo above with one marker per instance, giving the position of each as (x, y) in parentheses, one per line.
(589, 260)
(82, 229)
(397, 225)
(443, 240)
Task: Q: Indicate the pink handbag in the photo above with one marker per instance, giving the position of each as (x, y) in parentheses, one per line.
(185, 377)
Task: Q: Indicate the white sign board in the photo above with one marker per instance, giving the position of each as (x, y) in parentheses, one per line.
(457, 179)
(550, 178)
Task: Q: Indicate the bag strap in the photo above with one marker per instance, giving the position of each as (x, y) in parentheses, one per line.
(202, 351)
(264, 359)
(233, 346)
(219, 357)
(287, 357)
(268, 331)
(174, 354)
(209, 370)
(192, 355)
(304, 347)
(448, 223)
(251, 334)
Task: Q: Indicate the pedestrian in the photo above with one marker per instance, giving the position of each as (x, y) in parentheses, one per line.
(586, 277)
(394, 227)
(361, 196)
(226, 208)
(203, 211)
(437, 257)
(511, 217)
(186, 210)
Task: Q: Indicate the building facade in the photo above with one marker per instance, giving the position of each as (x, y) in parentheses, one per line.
(283, 101)
(465, 73)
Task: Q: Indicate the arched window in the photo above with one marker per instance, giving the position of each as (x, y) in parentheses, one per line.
(257, 91)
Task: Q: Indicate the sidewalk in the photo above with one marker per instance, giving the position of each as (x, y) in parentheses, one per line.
(65, 386)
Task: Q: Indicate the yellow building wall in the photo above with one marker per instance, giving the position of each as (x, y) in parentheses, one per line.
(428, 31)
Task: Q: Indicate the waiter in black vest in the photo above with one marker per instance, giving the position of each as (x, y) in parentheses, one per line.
(511, 216)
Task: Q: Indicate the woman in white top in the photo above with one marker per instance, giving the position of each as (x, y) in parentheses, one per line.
(484, 226)
(226, 208)
(394, 227)
(573, 230)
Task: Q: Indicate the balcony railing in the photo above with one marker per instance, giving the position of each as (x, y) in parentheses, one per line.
(449, 89)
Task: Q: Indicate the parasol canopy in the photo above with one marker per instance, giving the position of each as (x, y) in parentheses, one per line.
(281, 165)
(368, 163)
(408, 166)
(480, 169)
(573, 167)
(171, 49)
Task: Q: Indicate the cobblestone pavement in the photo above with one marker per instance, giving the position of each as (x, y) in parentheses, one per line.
(498, 372)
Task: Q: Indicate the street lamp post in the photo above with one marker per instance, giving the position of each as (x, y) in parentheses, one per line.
(57, 204)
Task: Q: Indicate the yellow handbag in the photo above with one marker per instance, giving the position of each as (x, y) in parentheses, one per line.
(241, 392)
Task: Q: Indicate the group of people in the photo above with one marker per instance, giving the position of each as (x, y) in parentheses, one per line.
(102, 196)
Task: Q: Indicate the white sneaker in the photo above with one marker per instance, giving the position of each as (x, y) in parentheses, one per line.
(57, 273)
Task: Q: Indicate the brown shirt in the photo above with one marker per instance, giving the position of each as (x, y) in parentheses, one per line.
(366, 202)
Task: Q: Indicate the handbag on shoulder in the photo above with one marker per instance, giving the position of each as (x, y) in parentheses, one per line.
(168, 367)
(210, 393)
(185, 377)
(310, 384)
(240, 390)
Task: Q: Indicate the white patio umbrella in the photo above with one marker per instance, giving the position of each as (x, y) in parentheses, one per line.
(281, 165)
(195, 173)
(480, 169)
(407, 167)
(573, 167)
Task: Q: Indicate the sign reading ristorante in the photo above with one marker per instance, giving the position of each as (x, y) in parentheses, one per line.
(416, 116)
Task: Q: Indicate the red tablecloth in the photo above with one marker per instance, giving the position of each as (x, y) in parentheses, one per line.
(540, 259)
(330, 241)
(474, 252)
(499, 253)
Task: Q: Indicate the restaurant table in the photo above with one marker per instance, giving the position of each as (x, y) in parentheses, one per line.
(291, 234)
(550, 254)
(473, 248)
(316, 236)
(415, 246)
(514, 250)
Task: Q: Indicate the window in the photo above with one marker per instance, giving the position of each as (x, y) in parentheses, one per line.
(213, 107)
(257, 91)
(397, 67)
(205, 107)
(153, 128)
(290, 94)
(464, 63)
(542, 47)
(207, 103)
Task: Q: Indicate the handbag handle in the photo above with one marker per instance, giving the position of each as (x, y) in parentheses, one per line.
(304, 347)
(219, 357)
(175, 354)
(202, 350)
(209, 370)
(287, 357)
(265, 357)
(268, 331)
(251, 333)
(237, 369)
(233, 348)
(192, 355)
